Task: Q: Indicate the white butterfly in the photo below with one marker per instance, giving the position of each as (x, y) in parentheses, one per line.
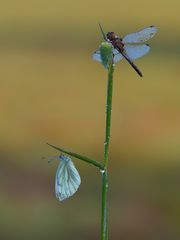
(67, 179)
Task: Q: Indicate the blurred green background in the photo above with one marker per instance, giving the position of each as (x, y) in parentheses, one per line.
(51, 90)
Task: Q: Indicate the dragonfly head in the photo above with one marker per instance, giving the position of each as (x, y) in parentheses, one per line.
(111, 36)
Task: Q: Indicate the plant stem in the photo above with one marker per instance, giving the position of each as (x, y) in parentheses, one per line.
(104, 217)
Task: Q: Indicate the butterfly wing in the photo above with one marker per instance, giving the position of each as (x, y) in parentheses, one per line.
(141, 36)
(136, 51)
(67, 180)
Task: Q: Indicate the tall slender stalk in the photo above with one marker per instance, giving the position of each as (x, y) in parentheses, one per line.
(106, 55)
(104, 213)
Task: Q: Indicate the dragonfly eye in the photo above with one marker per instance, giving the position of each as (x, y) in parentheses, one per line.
(111, 35)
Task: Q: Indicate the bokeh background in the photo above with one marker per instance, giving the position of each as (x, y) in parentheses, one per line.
(51, 90)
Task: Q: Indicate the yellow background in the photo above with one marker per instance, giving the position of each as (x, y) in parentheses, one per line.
(51, 90)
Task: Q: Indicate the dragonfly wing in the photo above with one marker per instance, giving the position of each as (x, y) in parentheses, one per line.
(97, 56)
(134, 52)
(117, 56)
(141, 36)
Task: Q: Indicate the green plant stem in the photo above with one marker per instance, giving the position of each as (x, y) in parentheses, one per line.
(104, 217)
(81, 157)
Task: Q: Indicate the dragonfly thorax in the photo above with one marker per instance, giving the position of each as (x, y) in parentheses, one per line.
(115, 41)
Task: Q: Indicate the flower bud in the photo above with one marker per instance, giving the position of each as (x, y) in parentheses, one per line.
(106, 53)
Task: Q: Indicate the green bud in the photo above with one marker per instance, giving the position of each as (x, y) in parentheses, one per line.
(106, 52)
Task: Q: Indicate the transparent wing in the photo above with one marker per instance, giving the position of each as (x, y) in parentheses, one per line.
(134, 52)
(141, 36)
(67, 180)
(117, 56)
(96, 56)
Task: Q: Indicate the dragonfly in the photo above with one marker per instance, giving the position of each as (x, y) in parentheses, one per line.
(130, 47)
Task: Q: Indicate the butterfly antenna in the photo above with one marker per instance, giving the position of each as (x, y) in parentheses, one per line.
(103, 34)
(50, 159)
